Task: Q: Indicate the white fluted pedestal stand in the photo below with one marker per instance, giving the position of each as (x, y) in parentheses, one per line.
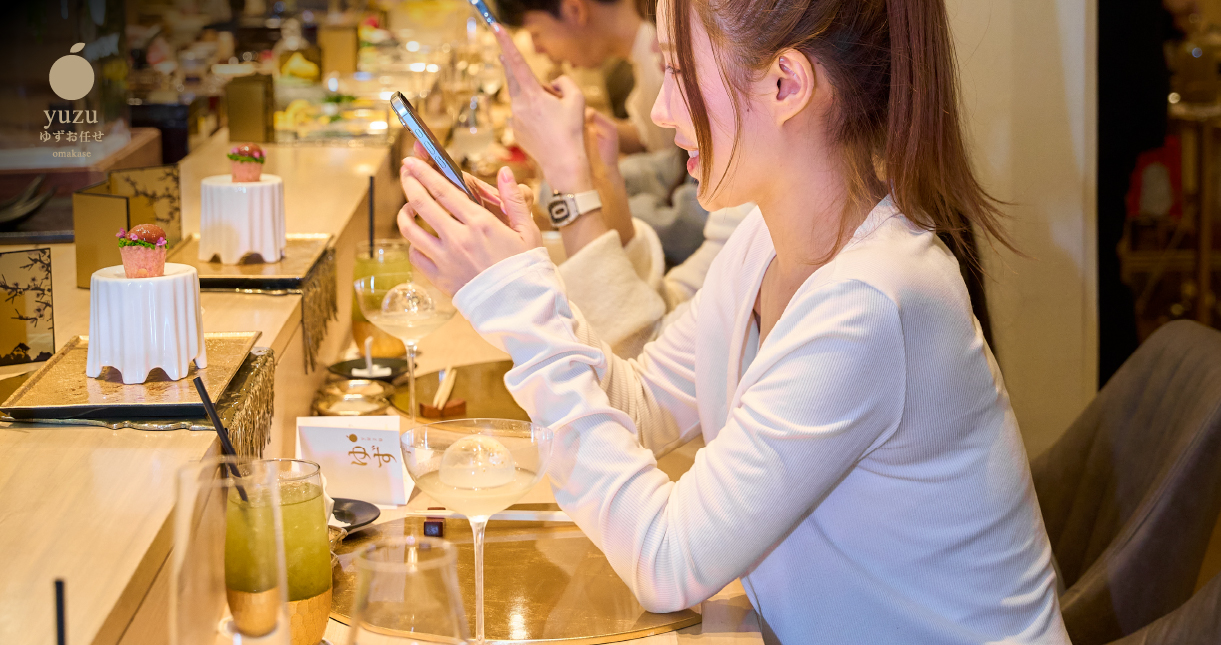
(138, 324)
(236, 219)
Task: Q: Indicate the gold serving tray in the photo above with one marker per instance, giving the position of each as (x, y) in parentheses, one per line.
(301, 253)
(60, 389)
(482, 386)
(542, 582)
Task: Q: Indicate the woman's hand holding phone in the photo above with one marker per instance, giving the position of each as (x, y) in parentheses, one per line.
(470, 238)
(489, 195)
(549, 125)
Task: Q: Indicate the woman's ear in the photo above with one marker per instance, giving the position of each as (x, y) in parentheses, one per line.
(791, 84)
(574, 13)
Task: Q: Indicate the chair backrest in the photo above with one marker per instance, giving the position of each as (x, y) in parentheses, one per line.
(1131, 492)
(1196, 623)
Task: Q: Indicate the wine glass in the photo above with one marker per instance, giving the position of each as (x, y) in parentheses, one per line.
(404, 309)
(383, 256)
(406, 592)
(477, 467)
(473, 132)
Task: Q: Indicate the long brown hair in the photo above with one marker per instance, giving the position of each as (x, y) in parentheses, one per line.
(896, 117)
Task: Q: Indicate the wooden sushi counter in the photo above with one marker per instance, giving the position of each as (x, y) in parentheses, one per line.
(93, 506)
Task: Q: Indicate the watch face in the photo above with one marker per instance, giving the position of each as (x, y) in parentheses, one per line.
(559, 211)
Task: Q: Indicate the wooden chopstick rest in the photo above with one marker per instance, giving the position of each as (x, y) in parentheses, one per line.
(453, 408)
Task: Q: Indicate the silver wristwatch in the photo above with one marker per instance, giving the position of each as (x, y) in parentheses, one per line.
(565, 208)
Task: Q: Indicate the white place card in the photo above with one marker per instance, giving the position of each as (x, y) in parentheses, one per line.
(360, 456)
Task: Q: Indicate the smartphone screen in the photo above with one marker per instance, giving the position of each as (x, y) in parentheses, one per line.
(482, 8)
(445, 164)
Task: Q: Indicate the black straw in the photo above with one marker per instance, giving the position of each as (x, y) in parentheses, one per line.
(370, 217)
(61, 630)
(225, 445)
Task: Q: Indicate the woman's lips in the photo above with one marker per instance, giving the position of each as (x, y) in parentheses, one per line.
(693, 162)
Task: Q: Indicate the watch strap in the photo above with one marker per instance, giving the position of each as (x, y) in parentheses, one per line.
(565, 208)
(587, 201)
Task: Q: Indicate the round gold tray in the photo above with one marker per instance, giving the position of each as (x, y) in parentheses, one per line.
(482, 386)
(543, 582)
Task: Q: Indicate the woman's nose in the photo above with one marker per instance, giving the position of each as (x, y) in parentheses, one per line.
(661, 107)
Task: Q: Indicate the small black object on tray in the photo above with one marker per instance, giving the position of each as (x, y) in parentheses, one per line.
(355, 513)
(398, 367)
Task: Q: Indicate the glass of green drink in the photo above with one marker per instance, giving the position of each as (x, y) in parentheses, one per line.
(307, 547)
(228, 554)
(383, 257)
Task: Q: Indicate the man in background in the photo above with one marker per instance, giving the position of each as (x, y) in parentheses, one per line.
(588, 33)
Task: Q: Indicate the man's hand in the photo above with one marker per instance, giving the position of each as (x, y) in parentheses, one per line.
(602, 146)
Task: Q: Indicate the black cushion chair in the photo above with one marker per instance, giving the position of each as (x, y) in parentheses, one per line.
(1130, 494)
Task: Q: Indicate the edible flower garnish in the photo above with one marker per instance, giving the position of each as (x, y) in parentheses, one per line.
(247, 153)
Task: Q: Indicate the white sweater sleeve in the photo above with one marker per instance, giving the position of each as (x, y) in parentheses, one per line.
(657, 386)
(630, 308)
(803, 425)
(616, 287)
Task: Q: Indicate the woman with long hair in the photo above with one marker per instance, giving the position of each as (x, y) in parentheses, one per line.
(864, 475)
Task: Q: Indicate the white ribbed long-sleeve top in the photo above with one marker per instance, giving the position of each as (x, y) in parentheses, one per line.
(623, 290)
(863, 473)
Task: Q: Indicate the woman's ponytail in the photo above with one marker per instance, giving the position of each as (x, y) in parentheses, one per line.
(928, 170)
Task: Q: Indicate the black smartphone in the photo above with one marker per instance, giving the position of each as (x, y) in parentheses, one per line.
(482, 8)
(445, 164)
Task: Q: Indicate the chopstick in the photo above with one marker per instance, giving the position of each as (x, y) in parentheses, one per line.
(445, 388)
(221, 432)
(61, 630)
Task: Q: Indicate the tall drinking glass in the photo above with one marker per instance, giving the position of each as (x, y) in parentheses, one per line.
(407, 592)
(307, 548)
(227, 572)
(382, 257)
(404, 309)
(477, 467)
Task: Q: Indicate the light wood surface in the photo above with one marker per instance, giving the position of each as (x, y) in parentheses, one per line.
(91, 506)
